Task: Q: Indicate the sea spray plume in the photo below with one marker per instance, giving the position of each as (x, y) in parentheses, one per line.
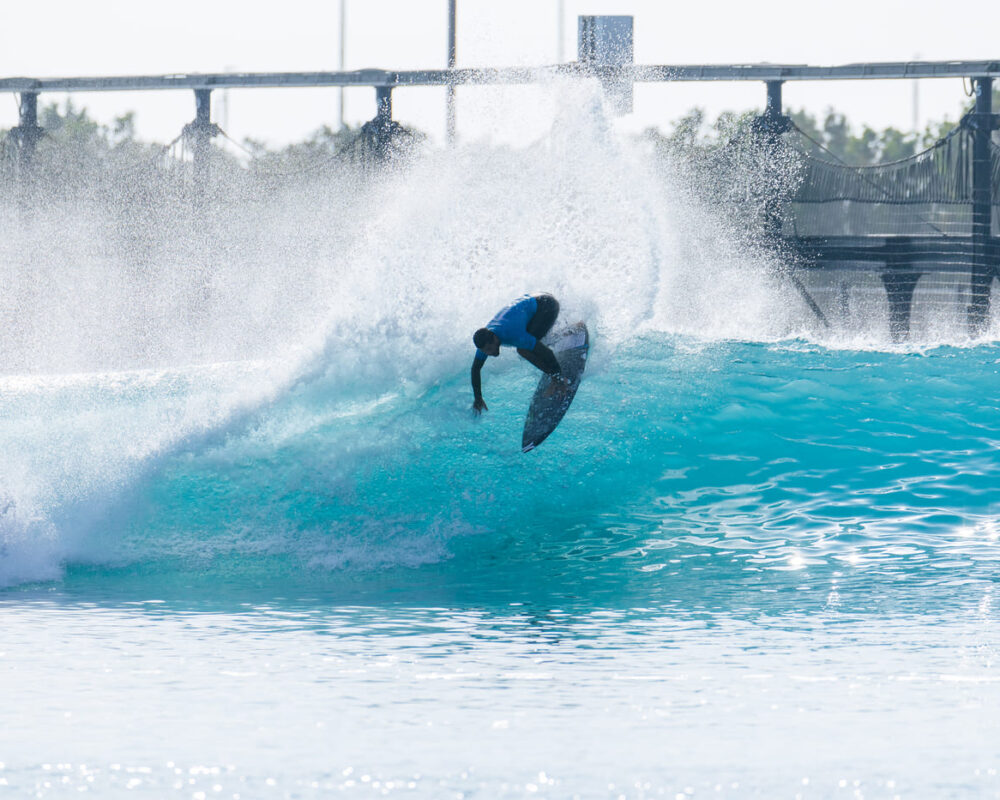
(743, 185)
(373, 278)
(86, 444)
(278, 363)
(465, 229)
(379, 272)
(124, 294)
(118, 257)
(728, 279)
(101, 437)
(29, 546)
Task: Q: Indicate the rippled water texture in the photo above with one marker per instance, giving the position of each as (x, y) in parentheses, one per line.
(254, 544)
(735, 569)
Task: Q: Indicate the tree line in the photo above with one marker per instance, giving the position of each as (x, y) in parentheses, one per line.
(830, 136)
(77, 151)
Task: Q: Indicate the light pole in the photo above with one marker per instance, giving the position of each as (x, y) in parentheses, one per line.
(560, 32)
(450, 121)
(340, 63)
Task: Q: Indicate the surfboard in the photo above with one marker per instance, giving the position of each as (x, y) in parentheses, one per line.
(552, 398)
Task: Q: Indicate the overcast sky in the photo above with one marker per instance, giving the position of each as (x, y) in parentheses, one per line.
(130, 37)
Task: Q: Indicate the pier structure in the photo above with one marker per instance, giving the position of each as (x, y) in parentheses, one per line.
(951, 192)
(936, 213)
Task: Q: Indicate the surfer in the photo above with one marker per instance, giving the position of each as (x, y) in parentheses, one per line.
(522, 324)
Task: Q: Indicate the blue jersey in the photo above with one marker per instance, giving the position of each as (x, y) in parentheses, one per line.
(511, 323)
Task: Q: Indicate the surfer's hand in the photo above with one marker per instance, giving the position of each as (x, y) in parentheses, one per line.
(479, 406)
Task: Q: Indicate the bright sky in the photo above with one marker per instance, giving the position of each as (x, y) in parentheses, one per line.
(126, 37)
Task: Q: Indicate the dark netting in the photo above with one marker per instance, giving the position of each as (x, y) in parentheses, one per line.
(940, 174)
(995, 157)
(929, 194)
(895, 241)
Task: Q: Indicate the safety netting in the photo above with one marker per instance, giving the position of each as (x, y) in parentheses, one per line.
(895, 240)
(928, 194)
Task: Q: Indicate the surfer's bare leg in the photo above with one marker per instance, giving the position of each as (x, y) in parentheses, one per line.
(541, 357)
(544, 317)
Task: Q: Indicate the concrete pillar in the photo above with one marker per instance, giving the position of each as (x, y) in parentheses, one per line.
(984, 257)
(383, 120)
(899, 288)
(202, 131)
(26, 134)
(770, 126)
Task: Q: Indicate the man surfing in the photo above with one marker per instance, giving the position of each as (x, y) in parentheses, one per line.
(522, 324)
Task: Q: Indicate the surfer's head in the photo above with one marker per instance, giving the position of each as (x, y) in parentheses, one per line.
(487, 341)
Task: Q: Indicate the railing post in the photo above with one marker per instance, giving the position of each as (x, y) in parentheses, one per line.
(984, 265)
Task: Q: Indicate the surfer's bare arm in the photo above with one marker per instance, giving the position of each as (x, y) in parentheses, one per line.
(479, 405)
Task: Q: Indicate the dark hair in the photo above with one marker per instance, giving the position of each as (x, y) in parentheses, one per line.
(482, 337)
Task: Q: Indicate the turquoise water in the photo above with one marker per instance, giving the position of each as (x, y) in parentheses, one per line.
(736, 569)
(253, 542)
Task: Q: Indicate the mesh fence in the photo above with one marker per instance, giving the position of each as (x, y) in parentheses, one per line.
(928, 194)
(895, 245)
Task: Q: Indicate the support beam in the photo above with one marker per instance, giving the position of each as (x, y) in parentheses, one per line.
(773, 108)
(769, 127)
(772, 123)
(984, 266)
(202, 126)
(383, 120)
(200, 133)
(899, 287)
(26, 134)
(383, 105)
(653, 73)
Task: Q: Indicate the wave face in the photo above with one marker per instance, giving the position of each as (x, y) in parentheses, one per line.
(279, 390)
(759, 458)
